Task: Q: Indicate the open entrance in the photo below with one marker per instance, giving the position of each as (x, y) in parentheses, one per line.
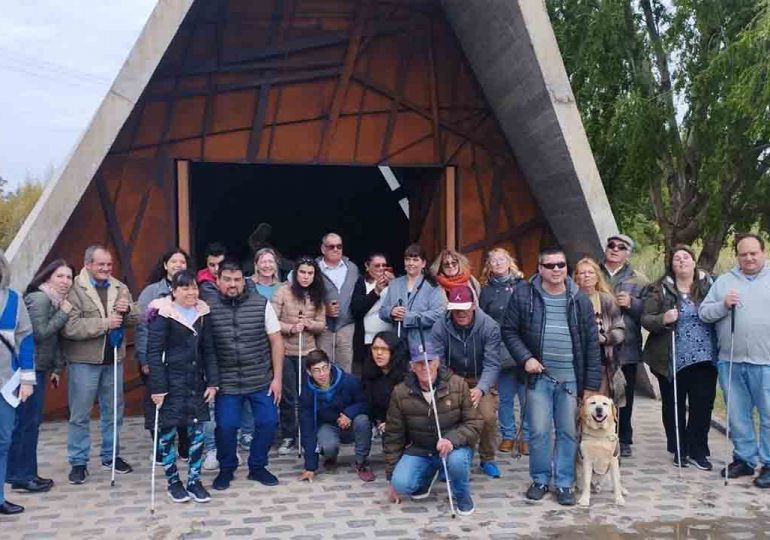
(290, 207)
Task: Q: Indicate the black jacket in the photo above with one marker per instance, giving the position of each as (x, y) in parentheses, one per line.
(524, 324)
(360, 304)
(493, 300)
(378, 386)
(176, 365)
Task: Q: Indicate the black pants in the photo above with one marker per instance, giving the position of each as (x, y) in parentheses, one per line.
(625, 430)
(289, 398)
(149, 419)
(696, 389)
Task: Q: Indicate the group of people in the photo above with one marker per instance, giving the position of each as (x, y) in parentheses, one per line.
(431, 363)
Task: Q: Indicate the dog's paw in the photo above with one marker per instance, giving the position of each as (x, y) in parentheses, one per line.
(584, 501)
(620, 501)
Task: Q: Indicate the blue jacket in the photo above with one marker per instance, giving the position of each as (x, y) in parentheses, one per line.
(17, 331)
(425, 305)
(323, 406)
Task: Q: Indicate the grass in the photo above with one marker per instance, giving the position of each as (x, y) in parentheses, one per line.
(649, 259)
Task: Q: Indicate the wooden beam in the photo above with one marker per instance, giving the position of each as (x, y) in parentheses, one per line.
(184, 239)
(450, 207)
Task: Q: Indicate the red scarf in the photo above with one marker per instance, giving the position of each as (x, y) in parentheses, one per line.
(455, 281)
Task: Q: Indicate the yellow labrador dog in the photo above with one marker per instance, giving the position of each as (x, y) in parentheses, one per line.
(599, 448)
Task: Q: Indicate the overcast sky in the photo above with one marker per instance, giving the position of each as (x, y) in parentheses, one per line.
(58, 58)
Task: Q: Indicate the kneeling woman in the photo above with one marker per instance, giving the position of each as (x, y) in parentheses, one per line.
(385, 366)
(180, 384)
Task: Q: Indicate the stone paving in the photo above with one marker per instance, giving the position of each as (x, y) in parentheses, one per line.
(338, 505)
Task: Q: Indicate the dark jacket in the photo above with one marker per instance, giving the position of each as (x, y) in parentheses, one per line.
(323, 406)
(524, 326)
(360, 304)
(343, 296)
(176, 365)
(411, 426)
(660, 297)
(378, 386)
(634, 283)
(153, 291)
(46, 320)
(235, 338)
(473, 352)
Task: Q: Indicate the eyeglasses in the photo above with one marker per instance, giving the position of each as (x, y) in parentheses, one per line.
(449, 264)
(323, 368)
(617, 245)
(333, 246)
(551, 266)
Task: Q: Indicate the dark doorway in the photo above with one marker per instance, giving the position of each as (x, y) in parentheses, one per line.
(302, 203)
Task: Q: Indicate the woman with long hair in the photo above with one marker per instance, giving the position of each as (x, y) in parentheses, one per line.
(386, 365)
(299, 306)
(265, 279)
(609, 320)
(365, 303)
(453, 269)
(46, 300)
(498, 279)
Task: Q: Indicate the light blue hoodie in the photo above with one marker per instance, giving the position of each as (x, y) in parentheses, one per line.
(752, 315)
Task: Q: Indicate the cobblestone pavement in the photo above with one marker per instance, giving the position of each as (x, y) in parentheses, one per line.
(338, 505)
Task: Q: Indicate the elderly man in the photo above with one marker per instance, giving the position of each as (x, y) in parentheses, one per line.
(550, 330)
(340, 276)
(745, 290)
(413, 451)
(100, 304)
(469, 341)
(629, 285)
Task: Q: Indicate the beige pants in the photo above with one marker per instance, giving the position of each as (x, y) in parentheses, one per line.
(488, 408)
(343, 353)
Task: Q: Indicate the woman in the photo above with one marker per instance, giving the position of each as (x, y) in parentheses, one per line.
(173, 261)
(452, 269)
(182, 383)
(385, 366)
(365, 304)
(48, 309)
(609, 319)
(413, 300)
(299, 306)
(16, 352)
(498, 278)
(671, 305)
(265, 279)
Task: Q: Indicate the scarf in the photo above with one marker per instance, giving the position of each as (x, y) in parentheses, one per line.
(448, 282)
(53, 295)
(508, 279)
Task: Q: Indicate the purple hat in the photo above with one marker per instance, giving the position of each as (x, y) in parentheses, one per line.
(417, 353)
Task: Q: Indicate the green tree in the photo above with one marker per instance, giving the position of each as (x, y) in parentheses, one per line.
(16, 205)
(675, 100)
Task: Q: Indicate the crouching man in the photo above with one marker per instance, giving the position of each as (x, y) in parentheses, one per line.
(332, 410)
(412, 446)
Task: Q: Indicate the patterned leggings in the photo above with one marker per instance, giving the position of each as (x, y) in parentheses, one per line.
(168, 453)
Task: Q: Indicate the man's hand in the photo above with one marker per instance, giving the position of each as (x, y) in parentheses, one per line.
(65, 306)
(381, 427)
(55, 378)
(343, 421)
(122, 305)
(393, 495)
(476, 395)
(209, 394)
(275, 390)
(732, 298)
(671, 316)
(444, 447)
(146, 369)
(25, 390)
(114, 320)
(333, 309)
(398, 313)
(157, 399)
(533, 366)
(588, 394)
(306, 476)
(623, 299)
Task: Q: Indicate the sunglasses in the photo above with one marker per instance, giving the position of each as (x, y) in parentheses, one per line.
(551, 266)
(306, 261)
(617, 245)
(333, 246)
(449, 264)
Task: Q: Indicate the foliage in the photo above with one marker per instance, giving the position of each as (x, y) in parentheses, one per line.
(16, 205)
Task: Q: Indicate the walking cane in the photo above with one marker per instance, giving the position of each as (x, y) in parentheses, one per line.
(676, 402)
(154, 460)
(435, 416)
(400, 322)
(729, 383)
(115, 337)
(299, 395)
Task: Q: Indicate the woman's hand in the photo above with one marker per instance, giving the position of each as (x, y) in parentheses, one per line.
(157, 399)
(25, 391)
(398, 313)
(297, 328)
(381, 427)
(393, 495)
(54, 379)
(209, 394)
(671, 316)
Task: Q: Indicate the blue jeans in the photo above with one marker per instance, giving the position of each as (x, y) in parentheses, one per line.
(508, 389)
(247, 419)
(7, 420)
(549, 406)
(330, 436)
(413, 473)
(228, 417)
(22, 456)
(86, 383)
(750, 388)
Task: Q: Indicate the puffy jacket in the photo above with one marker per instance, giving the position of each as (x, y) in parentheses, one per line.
(343, 296)
(47, 320)
(177, 367)
(287, 309)
(634, 283)
(323, 406)
(236, 340)
(411, 426)
(473, 352)
(153, 291)
(524, 325)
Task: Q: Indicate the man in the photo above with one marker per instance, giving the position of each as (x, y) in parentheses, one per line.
(243, 335)
(629, 286)
(745, 290)
(550, 330)
(332, 410)
(340, 276)
(207, 277)
(101, 306)
(412, 448)
(469, 341)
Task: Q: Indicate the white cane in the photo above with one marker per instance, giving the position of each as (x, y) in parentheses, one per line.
(676, 401)
(114, 411)
(154, 460)
(727, 396)
(400, 303)
(299, 395)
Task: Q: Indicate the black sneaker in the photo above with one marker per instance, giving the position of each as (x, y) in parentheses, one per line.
(121, 467)
(198, 492)
(178, 493)
(424, 492)
(737, 468)
(625, 450)
(78, 474)
(536, 491)
(565, 496)
(222, 481)
(263, 476)
(763, 478)
(685, 461)
(702, 463)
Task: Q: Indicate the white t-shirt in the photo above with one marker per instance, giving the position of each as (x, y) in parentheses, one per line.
(271, 320)
(373, 324)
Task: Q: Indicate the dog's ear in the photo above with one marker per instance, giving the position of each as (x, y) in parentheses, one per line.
(614, 412)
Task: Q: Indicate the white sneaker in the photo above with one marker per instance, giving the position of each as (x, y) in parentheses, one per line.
(286, 448)
(211, 463)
